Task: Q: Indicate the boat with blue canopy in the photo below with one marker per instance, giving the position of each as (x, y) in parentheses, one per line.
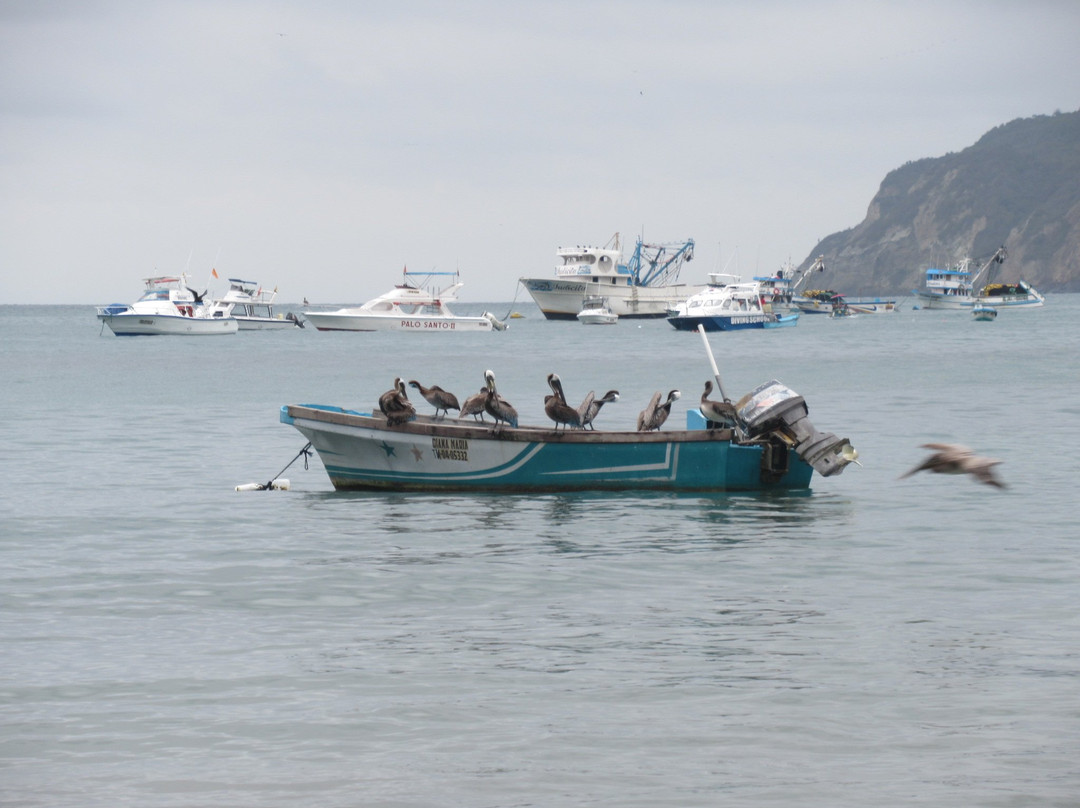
(954, 287)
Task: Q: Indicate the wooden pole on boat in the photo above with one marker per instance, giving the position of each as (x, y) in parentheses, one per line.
(712, 361)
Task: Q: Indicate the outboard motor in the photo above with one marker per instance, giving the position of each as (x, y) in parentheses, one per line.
(774, 408)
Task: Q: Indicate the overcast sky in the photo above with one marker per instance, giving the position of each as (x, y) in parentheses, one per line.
(322, 146)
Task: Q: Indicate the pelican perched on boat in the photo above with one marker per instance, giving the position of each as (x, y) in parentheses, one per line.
(721, 413)
(654, 415)
(495, 405)
(591, 406)
(437, 397)
(556, 407)
(474, 405)
(952, 458)
(395, 404)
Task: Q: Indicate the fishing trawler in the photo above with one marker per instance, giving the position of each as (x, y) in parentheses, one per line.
(954, 287)
(645, 286)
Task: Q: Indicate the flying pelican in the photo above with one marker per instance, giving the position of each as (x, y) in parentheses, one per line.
(495, 405)
(592, 406)
(437, 397)
(654, 415)
(474, 405)
(721, 413)
(556, 407)
(395, 404)
(951, 458)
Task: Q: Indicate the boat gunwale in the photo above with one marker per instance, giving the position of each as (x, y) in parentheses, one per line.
(427, 425)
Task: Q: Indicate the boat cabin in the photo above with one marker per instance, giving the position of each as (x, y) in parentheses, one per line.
(592, 264)
(948, 281)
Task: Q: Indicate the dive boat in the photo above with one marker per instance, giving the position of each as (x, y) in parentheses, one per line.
(252, 307)
(954, 287)
(596, 311)
(772, 446)
(726, 304)
(168, 306)
(407, 307)
(645, 286)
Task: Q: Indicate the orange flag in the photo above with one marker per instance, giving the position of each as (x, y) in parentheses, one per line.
(213, 272)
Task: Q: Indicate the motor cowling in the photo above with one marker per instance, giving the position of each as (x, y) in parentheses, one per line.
(775, 409)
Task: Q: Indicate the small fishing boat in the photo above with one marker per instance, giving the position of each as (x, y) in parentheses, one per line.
(816, 301)
(596, 311)
(871, 305)
(168, 306)
(645, 286)
(983, 313)
(820, 301)
(840, 308)
(772, 446)
(252, 307)
(1020, 294)
(727, 304)
(409, 306)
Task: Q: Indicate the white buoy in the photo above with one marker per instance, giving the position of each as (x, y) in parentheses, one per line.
(275, 485)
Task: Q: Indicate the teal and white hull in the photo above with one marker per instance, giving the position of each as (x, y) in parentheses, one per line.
(359, 451)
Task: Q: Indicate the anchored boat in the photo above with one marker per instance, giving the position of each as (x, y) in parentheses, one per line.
(596, 311)
(645, 286)
(409, 306)
(168, 306)
(252, 307)
(729, 305)
(773, 445)
(823, 301)
(954, 287)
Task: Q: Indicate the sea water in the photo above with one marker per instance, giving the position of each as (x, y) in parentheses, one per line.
(167, 641)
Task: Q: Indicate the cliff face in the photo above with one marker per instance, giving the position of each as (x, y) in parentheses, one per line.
(1018, 186)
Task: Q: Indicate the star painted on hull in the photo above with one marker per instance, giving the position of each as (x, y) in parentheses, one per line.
(418, 453)
(386, 447)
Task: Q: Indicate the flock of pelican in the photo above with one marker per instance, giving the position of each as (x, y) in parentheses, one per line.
(397, 408)
(395, 405)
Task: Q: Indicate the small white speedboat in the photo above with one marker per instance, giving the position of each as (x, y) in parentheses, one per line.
(406, 307)
(596, 311)
(983, 313)
(168, 306)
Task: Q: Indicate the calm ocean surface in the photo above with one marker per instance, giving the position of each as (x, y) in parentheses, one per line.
(167, 641)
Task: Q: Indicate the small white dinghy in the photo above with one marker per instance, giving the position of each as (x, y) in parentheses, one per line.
(596, 311)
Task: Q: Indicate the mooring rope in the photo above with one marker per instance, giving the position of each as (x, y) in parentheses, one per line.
(517, 290)
(305, 453)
